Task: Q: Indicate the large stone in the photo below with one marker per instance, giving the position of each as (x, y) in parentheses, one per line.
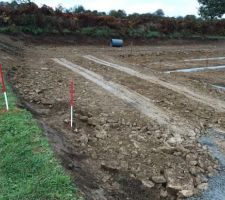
(158, 179)
(84, 118)
(124, 165)
(193, 163)
(112, 166)
(186, 193)
(176, 139)
(200, 179)
(84, 139)
(203, 186)
(148, 184)
(194, 170)
(178, 181)
(163, 193)
(92, 122)
(210, 169)
(101, 134)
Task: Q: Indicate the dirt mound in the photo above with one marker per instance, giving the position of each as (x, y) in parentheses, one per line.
(118, 152)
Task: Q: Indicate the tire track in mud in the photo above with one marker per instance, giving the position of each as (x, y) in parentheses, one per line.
(206, 100)
(140, 102)
(10, 49)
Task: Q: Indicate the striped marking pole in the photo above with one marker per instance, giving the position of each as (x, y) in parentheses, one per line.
(3, 87)
(71, 102)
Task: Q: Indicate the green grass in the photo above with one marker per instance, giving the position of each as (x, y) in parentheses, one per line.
(87, 31)
(216, 37)
(153, 34)
(28, 169)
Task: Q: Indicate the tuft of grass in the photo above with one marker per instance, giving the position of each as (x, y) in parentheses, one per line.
(28, 169)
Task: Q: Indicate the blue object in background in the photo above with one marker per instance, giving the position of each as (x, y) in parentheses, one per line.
(117, 43)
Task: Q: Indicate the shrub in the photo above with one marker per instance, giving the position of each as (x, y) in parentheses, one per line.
(153, 34)
(87, 31)
(10, 29)
(33, 30)
(136, 33)
(102, 32)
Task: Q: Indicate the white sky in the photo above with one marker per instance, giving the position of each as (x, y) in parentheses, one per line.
(170, 7)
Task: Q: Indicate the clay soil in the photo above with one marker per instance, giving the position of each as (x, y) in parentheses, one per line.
(115, 151)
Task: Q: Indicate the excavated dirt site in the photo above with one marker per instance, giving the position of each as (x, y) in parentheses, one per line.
(138, 121)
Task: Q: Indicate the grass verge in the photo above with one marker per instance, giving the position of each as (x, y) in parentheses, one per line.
(28, 169)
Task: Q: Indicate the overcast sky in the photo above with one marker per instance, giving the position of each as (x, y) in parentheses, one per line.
(170, 7)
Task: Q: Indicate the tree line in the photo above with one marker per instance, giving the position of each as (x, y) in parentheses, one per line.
(26, 16)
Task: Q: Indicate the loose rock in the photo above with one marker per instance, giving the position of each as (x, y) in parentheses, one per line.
(179, 182)
(101, 134)
(186, 193)
(203, 186)
(158, 179)
(148, 184)
(84, 118)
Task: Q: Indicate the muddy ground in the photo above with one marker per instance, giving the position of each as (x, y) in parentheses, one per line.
(138, 141)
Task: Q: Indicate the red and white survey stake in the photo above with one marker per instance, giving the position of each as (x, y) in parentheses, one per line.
(71, 102)
(3, 87)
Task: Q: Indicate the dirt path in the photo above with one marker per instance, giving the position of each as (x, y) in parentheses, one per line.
(143, 104)
(209, 101)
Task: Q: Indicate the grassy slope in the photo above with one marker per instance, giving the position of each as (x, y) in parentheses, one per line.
(28, 170)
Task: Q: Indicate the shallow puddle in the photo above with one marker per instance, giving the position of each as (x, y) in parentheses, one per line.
(204, 59)
(216, 189)
(219, 87)
(198, 69)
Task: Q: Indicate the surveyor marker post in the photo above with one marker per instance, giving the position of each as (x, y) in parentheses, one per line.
(3, 87)
(71, 102)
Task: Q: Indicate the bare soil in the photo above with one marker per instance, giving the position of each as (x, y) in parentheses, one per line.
(120, 151)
